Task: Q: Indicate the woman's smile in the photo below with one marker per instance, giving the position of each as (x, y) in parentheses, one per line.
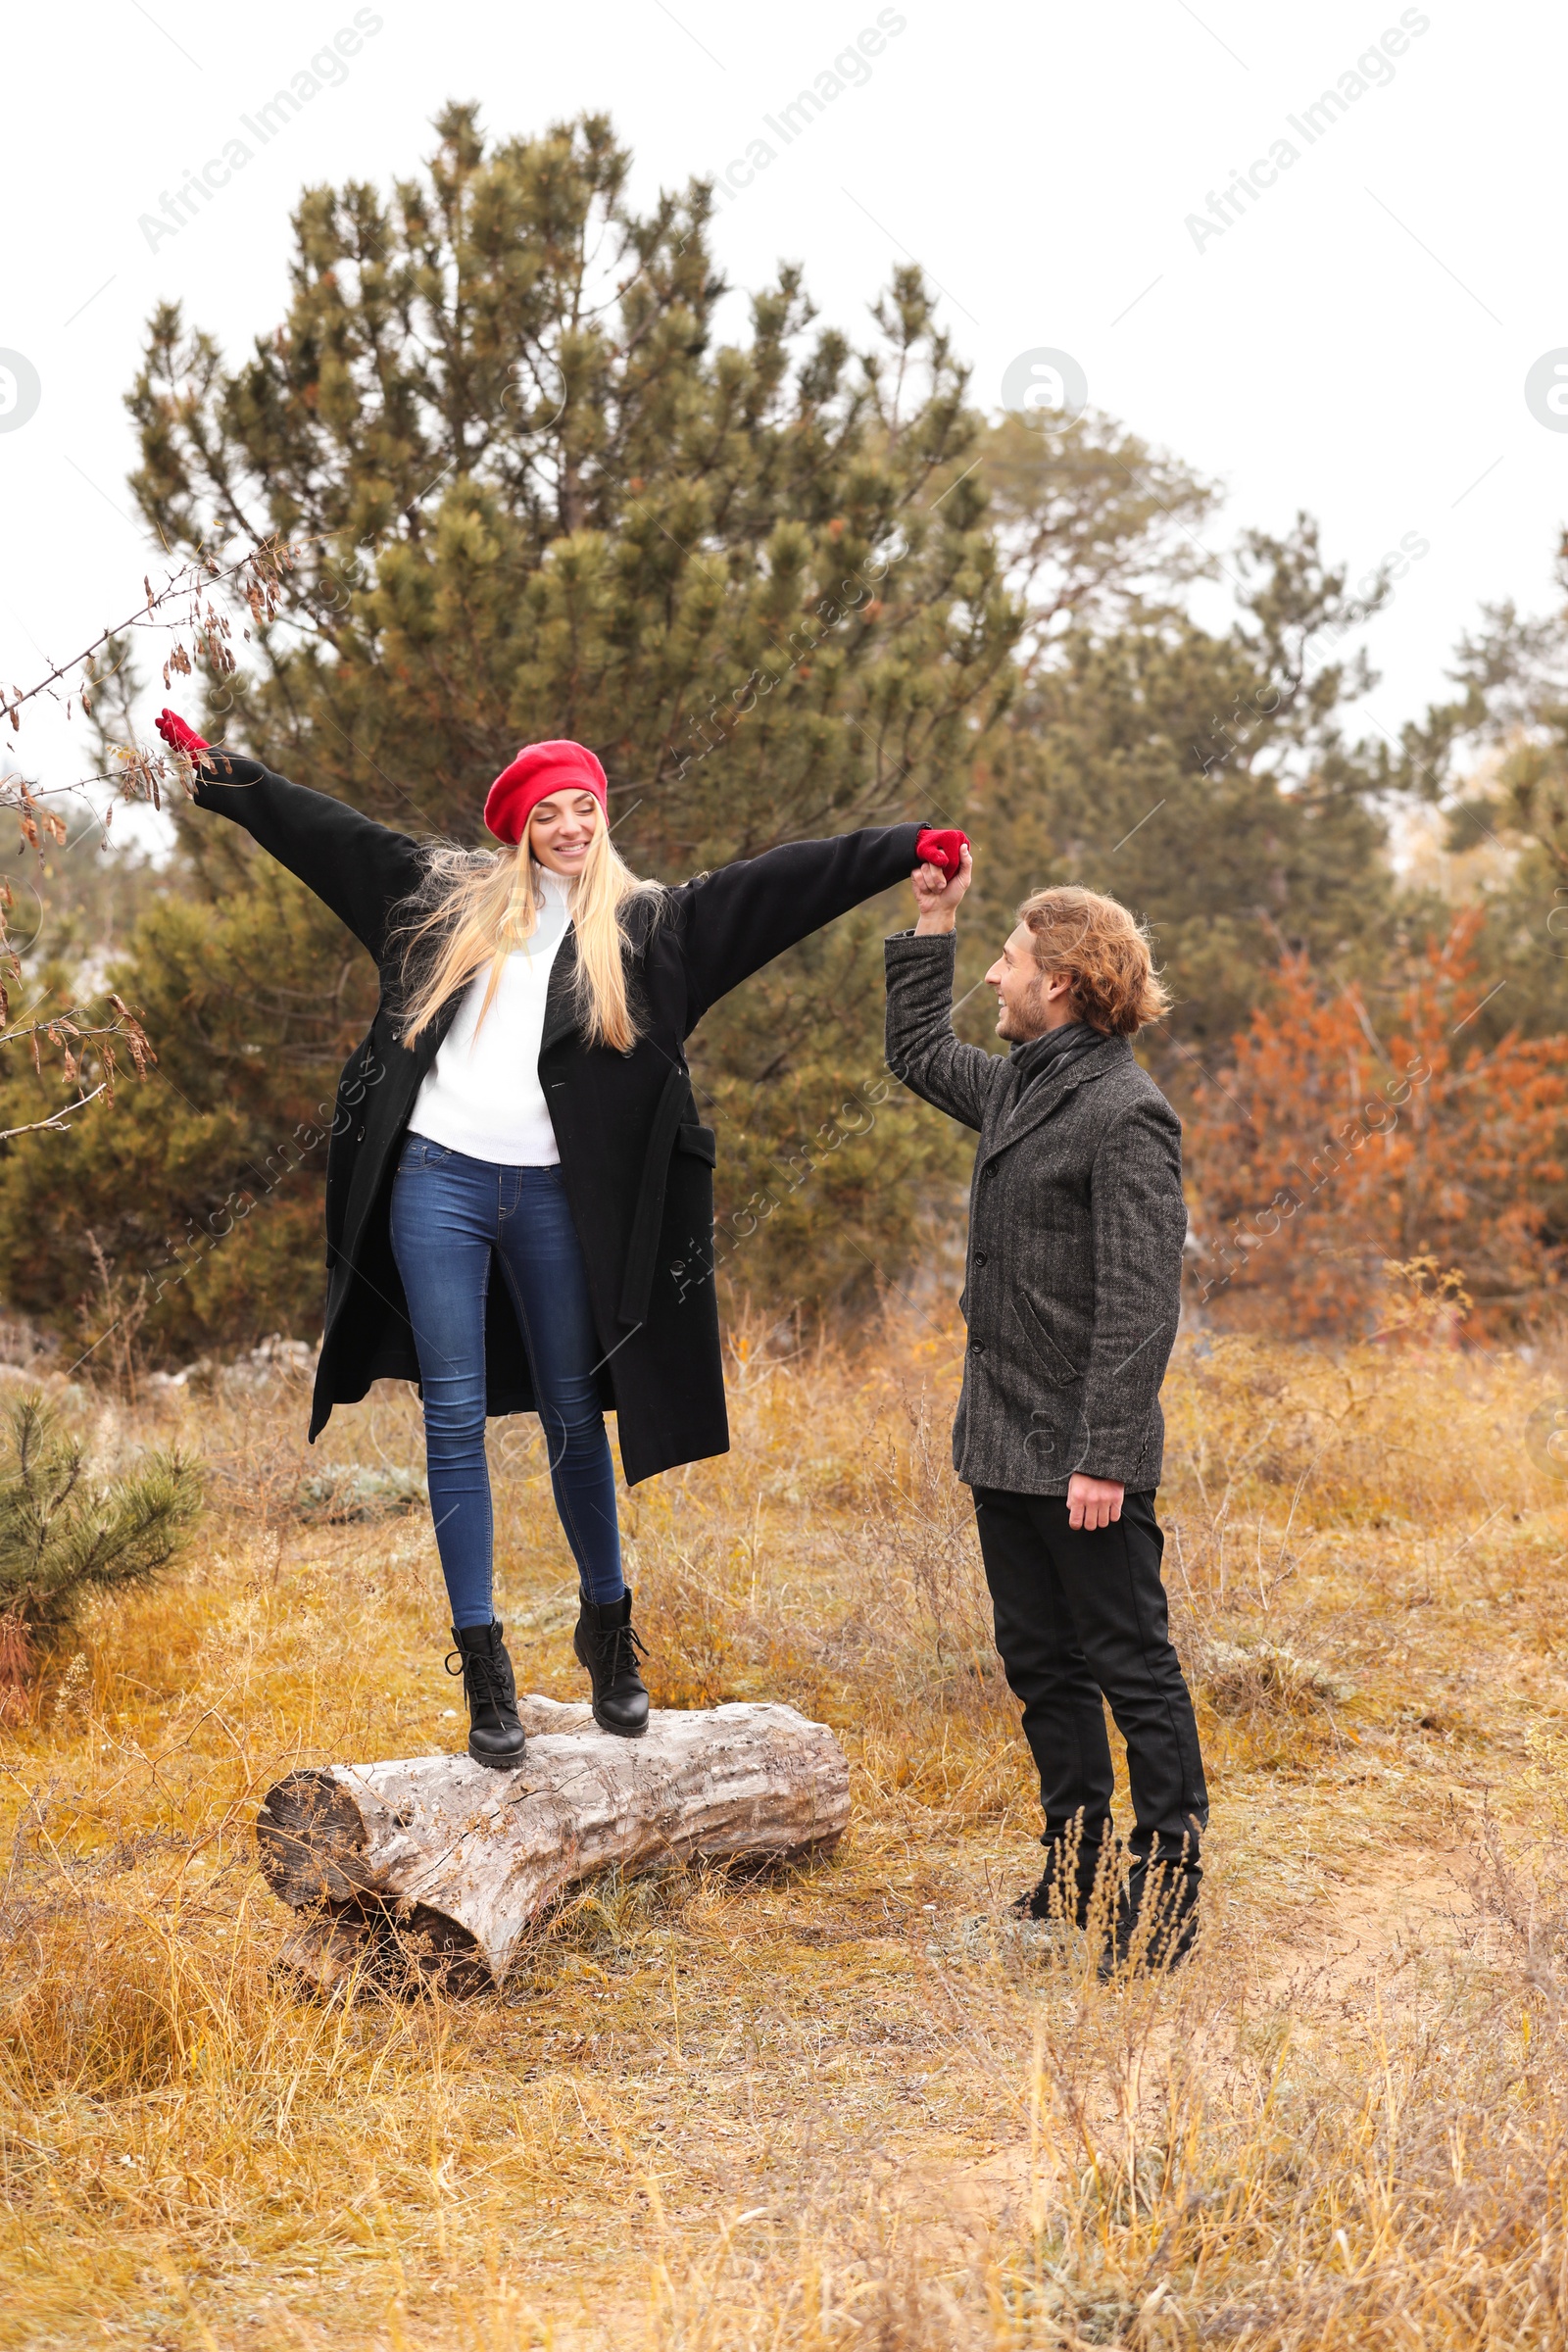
(560, 831)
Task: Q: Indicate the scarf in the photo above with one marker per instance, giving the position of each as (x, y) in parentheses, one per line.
(1053, 1054)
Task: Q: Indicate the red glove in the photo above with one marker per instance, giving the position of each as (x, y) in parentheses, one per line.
(178, 737)
(942, 848)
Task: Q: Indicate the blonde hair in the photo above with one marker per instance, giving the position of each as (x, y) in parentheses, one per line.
(476, 907)
(1104, 950)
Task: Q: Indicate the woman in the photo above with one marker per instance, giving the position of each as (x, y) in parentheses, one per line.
(522, 1099)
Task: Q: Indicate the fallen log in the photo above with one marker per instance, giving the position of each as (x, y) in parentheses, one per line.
(437, 1866)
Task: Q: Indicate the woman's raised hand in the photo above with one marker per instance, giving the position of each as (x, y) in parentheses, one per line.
(936, 893)
(178, 737)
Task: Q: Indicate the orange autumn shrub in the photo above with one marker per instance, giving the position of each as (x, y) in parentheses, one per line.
(1337, 1139)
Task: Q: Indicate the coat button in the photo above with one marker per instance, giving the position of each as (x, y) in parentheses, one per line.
(358, 1135)
(979, 1257)
(977, 1347)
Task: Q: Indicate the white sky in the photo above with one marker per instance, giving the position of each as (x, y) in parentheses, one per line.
(1356, 344)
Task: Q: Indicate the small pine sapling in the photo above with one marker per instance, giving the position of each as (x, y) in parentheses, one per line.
(64, 1533)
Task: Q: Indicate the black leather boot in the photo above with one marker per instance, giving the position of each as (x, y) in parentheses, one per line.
(1156, 1917)
(495, 1731)
(607, 1647)
(1066, 1890)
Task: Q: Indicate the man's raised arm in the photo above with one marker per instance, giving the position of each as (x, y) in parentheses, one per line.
(922, 1048)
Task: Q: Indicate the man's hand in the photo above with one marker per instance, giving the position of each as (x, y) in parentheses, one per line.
(1092, 1501)
(937, 898)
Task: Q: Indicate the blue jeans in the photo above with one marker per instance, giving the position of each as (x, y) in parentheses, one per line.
(452, 1218)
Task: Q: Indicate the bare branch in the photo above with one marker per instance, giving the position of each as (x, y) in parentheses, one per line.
(256, 575)
(60, 1119)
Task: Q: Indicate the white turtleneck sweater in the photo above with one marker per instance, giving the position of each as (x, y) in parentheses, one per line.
(482, 1096)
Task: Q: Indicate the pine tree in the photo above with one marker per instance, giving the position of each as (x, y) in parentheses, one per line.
(533, 488)
(65, 1534)
(1202, 777)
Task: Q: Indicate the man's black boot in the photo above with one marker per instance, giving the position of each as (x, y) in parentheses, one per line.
(1156, 1917)
(495, 1729)
(1066, 1890)
(607, 1647)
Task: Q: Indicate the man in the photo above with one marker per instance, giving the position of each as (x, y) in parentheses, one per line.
(1076, 1226)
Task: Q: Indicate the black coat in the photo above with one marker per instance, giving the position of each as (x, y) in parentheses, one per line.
(636, 1161)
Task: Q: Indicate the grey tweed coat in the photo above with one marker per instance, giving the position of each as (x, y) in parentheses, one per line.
(1077, 1228)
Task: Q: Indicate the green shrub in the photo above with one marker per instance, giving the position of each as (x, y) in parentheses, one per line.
(64, 1533)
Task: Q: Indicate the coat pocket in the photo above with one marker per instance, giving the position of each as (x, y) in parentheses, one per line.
(669, 1133)
(701, 1142)
(1055, 1366)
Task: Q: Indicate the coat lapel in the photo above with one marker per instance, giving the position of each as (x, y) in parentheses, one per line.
(432, 1037)
(1047, 1094)
(561, 1010)
(561, 994)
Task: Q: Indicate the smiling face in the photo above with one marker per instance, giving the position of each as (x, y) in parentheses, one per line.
(1029, 1001)
(562, 829)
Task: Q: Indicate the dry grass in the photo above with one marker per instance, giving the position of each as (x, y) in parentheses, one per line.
(839, 2107)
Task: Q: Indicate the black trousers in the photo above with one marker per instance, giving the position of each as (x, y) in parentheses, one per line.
(1080, 1613)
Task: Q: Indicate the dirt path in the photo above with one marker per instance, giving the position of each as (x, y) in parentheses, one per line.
(1374, 1927)
(1363, 1942)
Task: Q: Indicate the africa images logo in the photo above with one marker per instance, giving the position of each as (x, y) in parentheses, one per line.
(1373, 69)
(326, 70)
(21, 390)
(851, 69)
(1545, 390)
(1045, 382)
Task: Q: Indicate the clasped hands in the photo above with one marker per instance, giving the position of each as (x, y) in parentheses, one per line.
(940, 881)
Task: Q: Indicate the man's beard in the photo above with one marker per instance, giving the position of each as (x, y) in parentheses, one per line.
(1020, 1028)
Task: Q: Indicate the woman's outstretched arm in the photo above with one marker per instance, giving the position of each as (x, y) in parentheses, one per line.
(734, 921)
(356, 866)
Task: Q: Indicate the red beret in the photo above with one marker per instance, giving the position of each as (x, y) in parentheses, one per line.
(538, 770)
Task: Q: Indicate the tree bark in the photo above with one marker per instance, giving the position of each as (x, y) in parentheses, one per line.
(438, 1866)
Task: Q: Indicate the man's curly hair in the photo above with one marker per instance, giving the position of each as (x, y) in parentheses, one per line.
(1106, 954)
